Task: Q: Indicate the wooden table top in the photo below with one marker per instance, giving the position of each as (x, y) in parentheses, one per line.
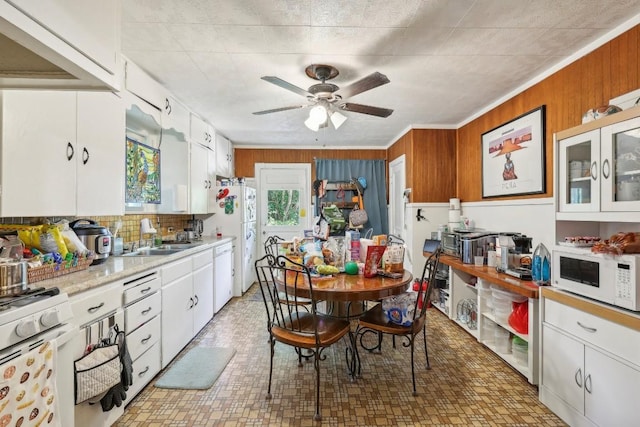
(510, 283)
(345, 287)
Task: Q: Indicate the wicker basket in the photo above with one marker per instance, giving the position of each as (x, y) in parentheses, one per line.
(49, 271)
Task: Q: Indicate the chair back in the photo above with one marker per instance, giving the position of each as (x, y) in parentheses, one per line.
(429, 275)
(271, 245)
(281, 274)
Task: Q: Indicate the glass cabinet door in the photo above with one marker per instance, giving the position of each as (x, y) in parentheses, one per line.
(621, 166)
(579, 173)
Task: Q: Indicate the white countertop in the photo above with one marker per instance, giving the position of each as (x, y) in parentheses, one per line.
(118, 267)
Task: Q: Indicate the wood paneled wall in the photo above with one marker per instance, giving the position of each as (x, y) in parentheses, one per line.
(246, 158)
(589, 82)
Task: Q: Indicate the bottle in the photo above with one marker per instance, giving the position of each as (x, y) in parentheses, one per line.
(492, 257)
(541, 265)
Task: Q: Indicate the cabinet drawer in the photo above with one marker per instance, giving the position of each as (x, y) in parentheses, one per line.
(176, 270)
(612, 337)
(144, 369)
(141, 287)
(203, 258)
(96, 303)
(143, 338)
(142, 311)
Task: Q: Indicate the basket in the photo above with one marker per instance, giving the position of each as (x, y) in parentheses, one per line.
(49, 271)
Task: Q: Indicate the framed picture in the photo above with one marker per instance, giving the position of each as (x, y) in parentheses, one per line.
(142, 173)
(513, 156)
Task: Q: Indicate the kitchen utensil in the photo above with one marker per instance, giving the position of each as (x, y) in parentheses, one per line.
(95, 237)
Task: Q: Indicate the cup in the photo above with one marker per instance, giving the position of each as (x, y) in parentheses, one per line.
(478, 260)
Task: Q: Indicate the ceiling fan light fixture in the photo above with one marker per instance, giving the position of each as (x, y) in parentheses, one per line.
(337, 119)
(312, 124)
(318, 114)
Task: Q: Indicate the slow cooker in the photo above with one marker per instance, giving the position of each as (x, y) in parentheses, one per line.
(95, 237)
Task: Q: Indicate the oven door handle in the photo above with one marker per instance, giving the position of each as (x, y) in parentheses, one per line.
(65, 334)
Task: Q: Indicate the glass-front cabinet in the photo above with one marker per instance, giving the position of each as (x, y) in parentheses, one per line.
(599, 169)
(621, 183)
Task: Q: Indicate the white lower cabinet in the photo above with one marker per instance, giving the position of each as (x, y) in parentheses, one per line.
(187, 301)
(223, 270)
(582, 381)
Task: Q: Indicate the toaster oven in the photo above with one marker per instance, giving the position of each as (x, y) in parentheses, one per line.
(451, 243)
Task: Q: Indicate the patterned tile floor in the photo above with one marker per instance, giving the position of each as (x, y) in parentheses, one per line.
(468, 385)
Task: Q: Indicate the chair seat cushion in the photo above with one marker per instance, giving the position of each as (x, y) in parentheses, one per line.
(330, 330)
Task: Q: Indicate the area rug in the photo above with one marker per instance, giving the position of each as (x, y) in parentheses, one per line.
(198, 369)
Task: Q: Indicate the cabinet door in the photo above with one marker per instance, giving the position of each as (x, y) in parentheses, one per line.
(563, 367)
(174, 173)
(212, 202)
(621, 166)
(200, 183)
(39, 153)
(223, 156)
(580, 173)
(610, 390)
(203, 293)
(177, 317)
(100, 154)
(176, 117)
(92, 27)
(201, 132)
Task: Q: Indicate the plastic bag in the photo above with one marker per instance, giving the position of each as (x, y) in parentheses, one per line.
(71, 239)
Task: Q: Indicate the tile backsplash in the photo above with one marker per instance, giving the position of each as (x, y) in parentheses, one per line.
(130, 231)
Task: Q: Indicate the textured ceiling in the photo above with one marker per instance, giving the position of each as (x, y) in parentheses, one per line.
(447, 59)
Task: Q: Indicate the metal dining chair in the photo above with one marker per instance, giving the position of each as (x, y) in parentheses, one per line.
(376, 321)
(287, 324)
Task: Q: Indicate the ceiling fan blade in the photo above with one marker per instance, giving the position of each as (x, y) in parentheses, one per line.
(366, 109)
(275, 110)
(285, 85)
(372, 80)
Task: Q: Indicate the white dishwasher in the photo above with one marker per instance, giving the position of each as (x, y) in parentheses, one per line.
(223, 275)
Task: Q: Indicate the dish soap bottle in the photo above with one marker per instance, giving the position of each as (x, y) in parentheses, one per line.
(541, 265)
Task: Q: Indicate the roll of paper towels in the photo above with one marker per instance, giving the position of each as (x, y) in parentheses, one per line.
(454, 204)
(454, 216)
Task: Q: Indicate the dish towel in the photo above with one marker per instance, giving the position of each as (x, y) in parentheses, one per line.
(28, 395)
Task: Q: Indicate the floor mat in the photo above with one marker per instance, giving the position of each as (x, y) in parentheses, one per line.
(198, 369)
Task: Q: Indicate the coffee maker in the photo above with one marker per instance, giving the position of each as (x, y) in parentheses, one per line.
(515, 252)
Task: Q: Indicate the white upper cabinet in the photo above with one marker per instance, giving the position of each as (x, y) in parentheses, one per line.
(58, 38)
(141, 84)
(175, 116)
(598, 169)
(201, 184)
(201, 131)
(69, 145)
(174, 158)
(224, 156)
(101, 154)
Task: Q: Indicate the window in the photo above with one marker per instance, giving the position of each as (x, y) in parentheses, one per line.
(283, 207)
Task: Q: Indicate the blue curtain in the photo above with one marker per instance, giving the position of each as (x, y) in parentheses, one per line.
(375, 195)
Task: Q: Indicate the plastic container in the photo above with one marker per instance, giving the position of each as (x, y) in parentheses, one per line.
(520, 350)
(488, 331)
(502, 340)
(503, 303)
(541, 265)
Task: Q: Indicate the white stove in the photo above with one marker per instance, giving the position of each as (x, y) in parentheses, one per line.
(31, 313)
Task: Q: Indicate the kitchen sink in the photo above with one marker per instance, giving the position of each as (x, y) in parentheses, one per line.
(154, 251)
(180, 245)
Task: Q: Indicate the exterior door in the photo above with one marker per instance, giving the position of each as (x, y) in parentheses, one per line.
(284, 200)
(396, 197)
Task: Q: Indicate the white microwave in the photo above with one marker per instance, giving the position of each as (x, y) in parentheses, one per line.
(611, 279)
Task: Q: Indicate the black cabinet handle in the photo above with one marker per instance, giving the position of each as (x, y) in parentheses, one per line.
(69, 151)
(145, 290)
(196, 299)
(141, 373)
(145, 340)
(167, 106)
(145, 312)
(96, 308)
(85, 155)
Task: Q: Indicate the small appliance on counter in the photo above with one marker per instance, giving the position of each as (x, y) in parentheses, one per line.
(515, 251)
(476, 243)
(95, 237)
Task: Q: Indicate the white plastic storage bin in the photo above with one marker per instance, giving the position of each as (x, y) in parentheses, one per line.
(503, 303)
(488, 331)
(502, 340)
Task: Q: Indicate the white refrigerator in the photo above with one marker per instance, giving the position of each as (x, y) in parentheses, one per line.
(235, 215)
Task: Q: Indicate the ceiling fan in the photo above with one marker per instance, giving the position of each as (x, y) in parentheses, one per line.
(326, 98)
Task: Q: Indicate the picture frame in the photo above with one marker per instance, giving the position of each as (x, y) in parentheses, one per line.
(142, 173)
(513, 156)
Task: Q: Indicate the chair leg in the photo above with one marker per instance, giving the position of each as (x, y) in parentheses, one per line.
(426, 353)
(299, 351)
(272, 344)
(413, 373)
(316, 363)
